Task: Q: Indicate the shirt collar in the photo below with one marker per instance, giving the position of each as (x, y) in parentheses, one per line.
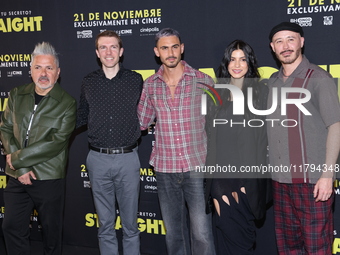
(55, 92)
(119, 74)
(300, 68)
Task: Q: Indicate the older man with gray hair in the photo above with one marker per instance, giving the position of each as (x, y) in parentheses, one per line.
(35, 129)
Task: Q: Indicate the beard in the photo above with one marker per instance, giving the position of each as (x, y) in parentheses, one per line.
(290, 59)
(46, 86)
(172, 64)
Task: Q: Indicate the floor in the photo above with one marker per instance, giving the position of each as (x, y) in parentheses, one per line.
(36, 249)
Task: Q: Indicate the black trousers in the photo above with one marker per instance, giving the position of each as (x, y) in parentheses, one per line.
(47, 197)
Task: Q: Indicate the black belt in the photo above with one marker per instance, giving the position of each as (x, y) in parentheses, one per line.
(117, 150)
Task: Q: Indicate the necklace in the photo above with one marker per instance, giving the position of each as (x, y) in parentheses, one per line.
(172, 86)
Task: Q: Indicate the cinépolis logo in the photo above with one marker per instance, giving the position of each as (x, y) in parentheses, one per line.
(302, 96)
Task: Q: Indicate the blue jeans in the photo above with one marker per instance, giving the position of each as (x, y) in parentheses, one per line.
(177, 192)
(116, 176)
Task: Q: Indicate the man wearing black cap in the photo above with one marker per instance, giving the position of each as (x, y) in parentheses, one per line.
(306, 151)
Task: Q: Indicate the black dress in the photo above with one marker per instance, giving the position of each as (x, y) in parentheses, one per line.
(235, 226)
(236, 145)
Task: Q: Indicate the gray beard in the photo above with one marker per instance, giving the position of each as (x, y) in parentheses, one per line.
(44, 88)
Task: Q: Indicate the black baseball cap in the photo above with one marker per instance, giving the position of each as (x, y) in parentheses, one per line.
(285, 26)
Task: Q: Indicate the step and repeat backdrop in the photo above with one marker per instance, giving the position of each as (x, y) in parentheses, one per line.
(206, 28)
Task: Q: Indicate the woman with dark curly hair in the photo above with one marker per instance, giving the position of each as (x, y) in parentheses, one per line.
(239, 199)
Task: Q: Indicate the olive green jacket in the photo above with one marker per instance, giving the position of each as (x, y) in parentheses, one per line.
(47, 144)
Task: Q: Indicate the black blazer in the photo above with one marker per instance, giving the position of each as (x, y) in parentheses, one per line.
(252, 148)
